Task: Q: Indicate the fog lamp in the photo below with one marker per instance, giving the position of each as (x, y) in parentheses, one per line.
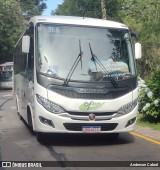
(46, 121)
(130, 122)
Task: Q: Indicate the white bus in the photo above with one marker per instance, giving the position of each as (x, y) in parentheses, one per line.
(6, 75)
(76, 75)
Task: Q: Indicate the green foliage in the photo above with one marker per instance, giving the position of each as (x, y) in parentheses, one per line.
(139, 12)
(13, 16)
(149, 97)
(144, 17)
(150, 36)
(32, 7)
(11, 22)
(146, 121)
(87, 8)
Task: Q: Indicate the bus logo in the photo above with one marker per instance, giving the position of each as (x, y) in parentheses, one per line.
(92, 116)
(86, 106)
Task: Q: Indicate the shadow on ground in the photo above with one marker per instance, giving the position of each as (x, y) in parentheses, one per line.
(86, 139)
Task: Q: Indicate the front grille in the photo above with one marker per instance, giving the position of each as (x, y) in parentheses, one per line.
(87, 113)
(78, 126)
(112, 94)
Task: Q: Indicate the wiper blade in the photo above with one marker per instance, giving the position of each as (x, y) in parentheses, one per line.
(96, 60)
(79, 58)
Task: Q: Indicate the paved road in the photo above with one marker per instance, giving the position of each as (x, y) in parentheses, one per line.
(18, 144)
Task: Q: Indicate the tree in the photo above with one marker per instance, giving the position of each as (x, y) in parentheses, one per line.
(32, 7)
(11, 23)
(13, 16)
(88, 8)
(144, 17)
(103, 6)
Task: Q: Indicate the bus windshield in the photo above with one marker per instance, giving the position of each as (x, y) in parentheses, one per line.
(104, 52)
(6, 72)
(6, 76)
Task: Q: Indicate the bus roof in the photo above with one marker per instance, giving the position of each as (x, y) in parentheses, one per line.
(6, 64)
(72, 20)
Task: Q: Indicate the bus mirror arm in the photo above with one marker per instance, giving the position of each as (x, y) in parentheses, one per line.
(135, 34)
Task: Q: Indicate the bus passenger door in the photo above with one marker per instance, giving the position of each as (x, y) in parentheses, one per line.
(28, 81)
(30, 75)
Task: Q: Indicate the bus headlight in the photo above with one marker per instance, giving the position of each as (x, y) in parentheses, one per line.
(48, 105)
(128, 107)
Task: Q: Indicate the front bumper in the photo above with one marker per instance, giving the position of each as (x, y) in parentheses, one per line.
(66, 124)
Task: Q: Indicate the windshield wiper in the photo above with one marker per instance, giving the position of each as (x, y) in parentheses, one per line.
(79, 58)
(97, 61)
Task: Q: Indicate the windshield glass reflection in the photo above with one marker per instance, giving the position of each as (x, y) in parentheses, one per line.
(59, 46)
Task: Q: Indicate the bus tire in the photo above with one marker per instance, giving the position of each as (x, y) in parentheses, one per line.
(30, 124)
(20, 117)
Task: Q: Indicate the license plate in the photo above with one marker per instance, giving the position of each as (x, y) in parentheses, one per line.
(91, 129)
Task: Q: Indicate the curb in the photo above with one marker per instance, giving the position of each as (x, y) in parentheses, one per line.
(148, 132)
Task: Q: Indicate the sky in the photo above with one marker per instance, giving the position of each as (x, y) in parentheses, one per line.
(51, 5)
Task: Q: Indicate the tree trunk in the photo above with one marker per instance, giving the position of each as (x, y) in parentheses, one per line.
(103, 7)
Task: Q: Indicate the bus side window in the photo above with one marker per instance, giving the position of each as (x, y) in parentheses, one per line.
(30, 67)
(31, 55)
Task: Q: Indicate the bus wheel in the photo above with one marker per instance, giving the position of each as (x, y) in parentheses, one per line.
(30, 124)
(20, 117)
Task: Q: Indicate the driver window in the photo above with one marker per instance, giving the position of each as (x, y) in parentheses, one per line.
(31, 57)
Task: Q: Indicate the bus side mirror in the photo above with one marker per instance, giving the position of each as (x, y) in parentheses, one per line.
(25, 44)
(138, 50)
